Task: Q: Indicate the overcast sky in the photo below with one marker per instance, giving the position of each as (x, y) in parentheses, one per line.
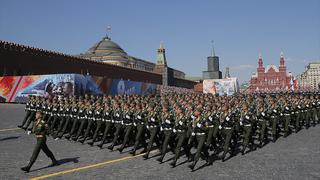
(240, 30)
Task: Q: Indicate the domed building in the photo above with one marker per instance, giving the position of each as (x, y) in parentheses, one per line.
(108, 51)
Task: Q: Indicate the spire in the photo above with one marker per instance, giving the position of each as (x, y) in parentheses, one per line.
(161, 45)
(281, 59)
(108, 32)
(213, 53)
(161, 56)
(281, 54)
(227, 73)
(260, 61)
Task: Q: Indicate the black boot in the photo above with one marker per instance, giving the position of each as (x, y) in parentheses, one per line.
(111, 147)
(120, 149)
(81, 141)
(20, 126)
(243, 150)
(100, 146)
(192, 165)
(26, 169)
(90, 143)
(54, 163)
(173, 163)
(160, 159)
(133, 152)
(223, 156)
(146, 156)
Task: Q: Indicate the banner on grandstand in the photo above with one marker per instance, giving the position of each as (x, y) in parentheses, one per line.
(17, 88)
(227, 86)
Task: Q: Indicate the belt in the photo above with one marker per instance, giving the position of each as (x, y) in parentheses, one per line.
(210, 126)
(39, 136)
(200, 134)
(247, 125)
(287, 114)
(228, 128)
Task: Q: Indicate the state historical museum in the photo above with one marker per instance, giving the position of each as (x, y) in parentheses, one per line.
(271, 78)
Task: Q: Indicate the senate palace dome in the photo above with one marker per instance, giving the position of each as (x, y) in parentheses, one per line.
(107, 51)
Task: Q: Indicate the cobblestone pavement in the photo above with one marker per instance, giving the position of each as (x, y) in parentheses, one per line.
(295, 157)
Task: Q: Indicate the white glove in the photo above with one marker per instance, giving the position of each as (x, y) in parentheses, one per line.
(210, 118)
(247, 117)
(180, 122)
(263, 114)
(193, 134)
(287, 108)
(134, 124)
(220, 127)
(139, 117)
(152, 119)
(161, 129)
(167, 121)
(147, 127)
(240, 123)
(274, 110)
(128, 117)
(198, 125)
(227, 118)
(117, 115)
(174, 130)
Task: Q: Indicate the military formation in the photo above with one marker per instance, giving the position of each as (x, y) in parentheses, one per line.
(195, 125)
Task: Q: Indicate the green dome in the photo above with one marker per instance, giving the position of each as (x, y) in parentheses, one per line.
(106, 46)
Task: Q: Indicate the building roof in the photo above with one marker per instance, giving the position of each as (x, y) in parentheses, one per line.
(273, 67)
(106, 47)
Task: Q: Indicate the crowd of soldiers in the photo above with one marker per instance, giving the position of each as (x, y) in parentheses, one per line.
(179, 122)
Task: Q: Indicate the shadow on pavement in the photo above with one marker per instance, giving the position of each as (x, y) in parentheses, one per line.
(9, 138)
(60, 161)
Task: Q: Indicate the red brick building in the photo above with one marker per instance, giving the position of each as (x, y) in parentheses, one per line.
(270, 78)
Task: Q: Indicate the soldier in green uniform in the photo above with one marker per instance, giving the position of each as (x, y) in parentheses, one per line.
(226, 127)
(117, 120)
(166, 126)
(153, 122)
(34, 106)
(139, 122)
(286, 111)
(262, 124)
(109, 122)
(180, 129)
(199, 131)
(274, 115)
(27, 110)
(91, 118)
(247, 121)
(40, 129)
(98, 115)
(128, 125)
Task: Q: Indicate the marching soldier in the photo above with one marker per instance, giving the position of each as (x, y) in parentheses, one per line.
(153, 121)
(199, 131)
(166, 127)
(40, 129)
(108, 119)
